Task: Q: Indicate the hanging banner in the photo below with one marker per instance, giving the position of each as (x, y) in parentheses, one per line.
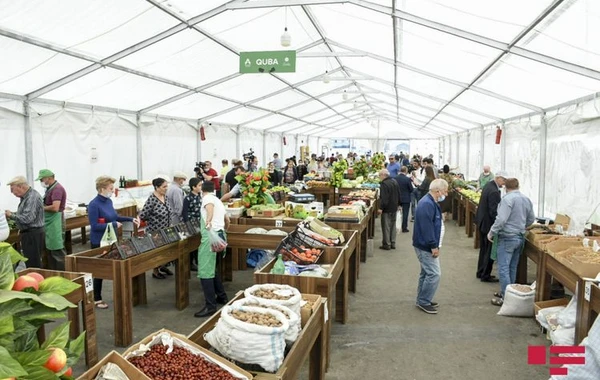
(260, 62)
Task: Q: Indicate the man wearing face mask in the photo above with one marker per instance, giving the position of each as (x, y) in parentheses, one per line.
(55, 199)
(427, 240)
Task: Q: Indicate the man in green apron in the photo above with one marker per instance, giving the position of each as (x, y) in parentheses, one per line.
(55, 199)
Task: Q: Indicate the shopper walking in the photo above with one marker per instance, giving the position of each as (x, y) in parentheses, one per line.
(446, 205)
(393, 167)
(29, 219)
(515, 214)
(424, 186)
(191, 211)
(214, 218)
(175, 197)
(100, 213)
(417, 175)
(55, 199)
(486, 215)
(157, 214)
(427, 238)
(388, 207)
(405, 189)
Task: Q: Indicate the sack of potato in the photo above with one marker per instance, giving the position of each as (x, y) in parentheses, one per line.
(292, 333)
(251, 335)
(275, 294)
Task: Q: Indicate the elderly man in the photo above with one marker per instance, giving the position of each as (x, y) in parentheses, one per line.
(427, 239)
(29, 219)
(277, 161)
(175, 197)
(486, 215)
(388, 206)
(55, 199)
(515, 214)
(485, 177)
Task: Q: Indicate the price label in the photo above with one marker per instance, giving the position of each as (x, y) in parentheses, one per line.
(337, 191)
(89, 283)
(588, 291)
(279, 223)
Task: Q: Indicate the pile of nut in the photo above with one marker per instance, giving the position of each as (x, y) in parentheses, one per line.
(270, 295)
(260, 319)
(309, 304)
(522, 288)
(180, 364)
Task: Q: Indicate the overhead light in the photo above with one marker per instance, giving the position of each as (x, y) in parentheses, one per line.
(286, 38)
(326, 78)
(345, 95)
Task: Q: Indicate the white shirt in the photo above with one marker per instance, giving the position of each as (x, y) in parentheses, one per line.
(218, 219)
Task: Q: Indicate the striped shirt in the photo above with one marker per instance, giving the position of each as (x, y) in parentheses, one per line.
(30, 213)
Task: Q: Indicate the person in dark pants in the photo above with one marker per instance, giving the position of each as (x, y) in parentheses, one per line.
(388, 207)
(214, 217)
(101, 212)
(191, 211)
(55, 199)
(486, 215)
(405, 189)
(29, 219)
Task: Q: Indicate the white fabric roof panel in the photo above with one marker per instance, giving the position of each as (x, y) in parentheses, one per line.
(305, 109)
(240, 115)
(96, 28)
(283, 100)
(196, 106)
(267, 122)
(114, 88)
(31, 67)
(292, 125)
(187, 57)
(426, 84)
(247, 87)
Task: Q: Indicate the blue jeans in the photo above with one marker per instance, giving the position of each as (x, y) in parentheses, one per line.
(429, 279)
(414, 199)
(509, 252)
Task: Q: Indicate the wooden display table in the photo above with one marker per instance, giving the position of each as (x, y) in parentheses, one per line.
(590, 310)
(470, 216)
(239, 241)
(330, 287)
(361, 228)
(85, 305)
(322, 194)
(462, 209)
(309, 345)
(455, 204)
(548, 267)
(129, 279)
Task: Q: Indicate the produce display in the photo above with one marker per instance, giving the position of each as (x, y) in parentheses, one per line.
(271, 294)
(371, 194)
(521, 288)
(280, 188)
(253, 187)
(313, 183)
(377, 162)
(179, 364)
(292, 318)
(361, 167)
(256, 318)
(337, 176)
(471, 194)
(268, 210)
(28, 302)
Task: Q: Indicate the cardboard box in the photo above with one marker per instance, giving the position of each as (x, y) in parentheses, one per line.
(584, 269)
(265, 213)
(206, 353)
(306, 312)
(551, 303)
(113, 357)
(315, 209)
(563, 220)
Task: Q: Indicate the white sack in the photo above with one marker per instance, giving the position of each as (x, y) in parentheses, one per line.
(293, 302)
(517, 303)
(292, 333)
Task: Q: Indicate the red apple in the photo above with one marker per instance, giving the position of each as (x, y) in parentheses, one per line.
(57, 360)
(69, 372)
(25, 282)
(39, 278)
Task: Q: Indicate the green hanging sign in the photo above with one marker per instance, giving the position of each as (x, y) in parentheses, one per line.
(261, 62)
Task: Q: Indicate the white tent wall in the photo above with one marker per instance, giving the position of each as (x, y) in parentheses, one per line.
(273, 145)
(522, 157)
(12, 129)
(492, 152)
(453, 159)
(475, 165)
(290, 148)
(425, 148)
(168, 145)
(219, 144)
(572, 163)
(252, 138)
(65, 141)
(463, 153)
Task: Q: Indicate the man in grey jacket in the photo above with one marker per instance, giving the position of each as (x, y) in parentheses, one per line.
(175, 197)
(515, 213)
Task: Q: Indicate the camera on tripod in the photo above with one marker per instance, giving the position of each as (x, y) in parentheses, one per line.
(200, 167)
(249, 157)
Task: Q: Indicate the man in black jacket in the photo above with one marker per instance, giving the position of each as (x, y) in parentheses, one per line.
(486, 215)
(388, 206)
(231, 174)
(405, 189)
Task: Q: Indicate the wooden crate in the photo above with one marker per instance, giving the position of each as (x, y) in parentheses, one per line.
(239, 241)
(265, 213)
(308, 345)
(129, 277)
(85, 305)
(113, 357)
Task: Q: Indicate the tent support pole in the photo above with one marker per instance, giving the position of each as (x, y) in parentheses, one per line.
(482, 152)
(237, 143)
(543, 151)
(198, 143)
(28, 142)
(138, 146)
(264, 157)
(468, 171)
(503, 149)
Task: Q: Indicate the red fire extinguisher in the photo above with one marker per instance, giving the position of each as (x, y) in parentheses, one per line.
(284, 141)
(202, 135)
(498, 135)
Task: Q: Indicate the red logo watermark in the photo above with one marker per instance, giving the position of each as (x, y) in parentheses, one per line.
(537, 355)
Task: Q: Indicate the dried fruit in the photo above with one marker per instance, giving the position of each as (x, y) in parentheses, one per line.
(256, 318)
(270, 295)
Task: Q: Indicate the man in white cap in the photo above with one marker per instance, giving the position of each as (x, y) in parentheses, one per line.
(175, 197)
(55, 199)
(29, 219)
(486, 215)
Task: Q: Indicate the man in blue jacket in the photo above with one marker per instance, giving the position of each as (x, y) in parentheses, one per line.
(427, 240)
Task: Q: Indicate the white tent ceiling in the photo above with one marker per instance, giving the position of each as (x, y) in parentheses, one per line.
(421, 68)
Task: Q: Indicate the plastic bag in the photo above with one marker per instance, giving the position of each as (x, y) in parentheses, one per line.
(109, 236)
(217, 243)
(398, 221)
(567, 317)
